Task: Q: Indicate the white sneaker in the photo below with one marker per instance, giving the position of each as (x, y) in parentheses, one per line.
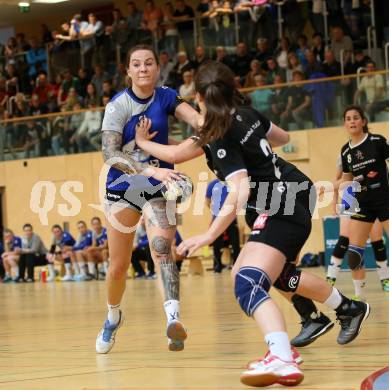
(272, 370)
(253, 364)
(106, 338)
(50, 279)
(67, 278)
(176, 334)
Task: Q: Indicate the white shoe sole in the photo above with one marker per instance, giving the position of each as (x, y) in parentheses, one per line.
(177, 335)
(113, 340)
(268, 379)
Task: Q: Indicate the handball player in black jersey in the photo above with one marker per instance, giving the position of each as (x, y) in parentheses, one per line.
(277, 198)
(364, 163)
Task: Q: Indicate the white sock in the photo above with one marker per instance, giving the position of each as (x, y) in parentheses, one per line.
(113, 314)
(105, 264)
(76, 268)
(334, 267)
(68, 268)
(51, 270)
(334, 300)
(279, 345)
(382, 269)
(172, 310)
(15, 271)
(81, 264)
(91, 267)
(359, 286)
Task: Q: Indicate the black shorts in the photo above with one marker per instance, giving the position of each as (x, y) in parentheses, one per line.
(133, 198)
(370, 214)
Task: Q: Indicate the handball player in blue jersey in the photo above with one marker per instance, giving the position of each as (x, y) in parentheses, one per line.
(133, 187)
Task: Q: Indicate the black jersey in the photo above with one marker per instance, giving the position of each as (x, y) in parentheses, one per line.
(366, 161)
(244, 147)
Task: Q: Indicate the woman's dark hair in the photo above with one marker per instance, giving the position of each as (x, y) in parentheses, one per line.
(97, 219)
(141, 47)
(27, 225)
(214, 82)
(360, 112)
(56, 227)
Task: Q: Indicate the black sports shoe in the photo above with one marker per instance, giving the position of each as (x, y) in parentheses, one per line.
(312, 328)
(351, 315)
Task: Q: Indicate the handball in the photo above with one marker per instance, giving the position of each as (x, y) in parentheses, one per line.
(178, 190)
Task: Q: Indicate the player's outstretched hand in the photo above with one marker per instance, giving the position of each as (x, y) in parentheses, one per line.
(165, 175)
(189, 246)
(143, 131)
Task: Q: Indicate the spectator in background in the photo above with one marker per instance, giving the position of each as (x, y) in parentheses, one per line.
(72, 99)
(92, 97)
(21, 42)
(182, 16)
(240, 61)
(200, 57)
(312, 66)
(182, 66)
(302, 49)
(208, 33)
(98, 78)
(187, 89)
(293, 64)
(58, 126)
(298, 103)
(3, 92)
(11, 256)
(36, 108)
(134, 21)
(170, 32)
(120, 77)
(69, 81)
(35, 140)
(33, 253)
(263, 51)
(372, 86)
(88, 135)
(340, 42)
(317, 19)
(222, 56)
(281, 53)
(246, 26)
(108, 90)
(272, 69)
(226, 20)
(83, 81)
(46, 34)
(166, 66)
(36, 59)
(260, 98)
(11, 48)
(118, 31)
(294, 19)
(13, 79)
(70, 128)
(330, 66)
(318, 46)
(20, 106)
(83, 243)
(42, 89)
(152, 17)
(255, 69)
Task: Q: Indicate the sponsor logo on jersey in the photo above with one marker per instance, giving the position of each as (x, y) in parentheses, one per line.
(359, 155)
(260, 222)
(111, 108)
(372, 174)
(221, 153)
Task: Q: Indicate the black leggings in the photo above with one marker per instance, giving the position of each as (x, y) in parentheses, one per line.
(30, 260)
(142, 254)
(218, 245)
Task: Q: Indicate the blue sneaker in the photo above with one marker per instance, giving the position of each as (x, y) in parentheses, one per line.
(106, 338)
(82, 278)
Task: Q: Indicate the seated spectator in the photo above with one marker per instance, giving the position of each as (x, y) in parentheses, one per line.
(98, 251)
(36, 140)
(108, 90)
(134, 21)
(170, 38)
(221, 56)
(200, 57)
(118, 31)
(61, 250)
(260, 98)
(243, 8)
(330, 66)
(13, 81)
(11, 256)
(352, 65)
(187, 89)
(3, 92)
(83, 81)
(263, 51)
(36, 107)
(141, 252)
(340, 42)
(152, 17)
(32, 254)
(293, 64)
(203, 9)
(179, 69)
(165, 66)
(255, 69)
(318, 46)
(312, 66)
(298, 104)
(120, 77)
(182, 17)
(272, 69)
(20, 106)
(42, 88)
(372, 86)
(302, 42)
(69, 81)
(36, 59)
(92, 96)
(225, 22)
(58, 126)
(70, 129)
(98, 78)
(88, 135)
(240, 61)
(281, 53)
(80, 249)
(71, 99)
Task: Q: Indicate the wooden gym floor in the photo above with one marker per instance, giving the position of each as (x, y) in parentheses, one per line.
(47, 336)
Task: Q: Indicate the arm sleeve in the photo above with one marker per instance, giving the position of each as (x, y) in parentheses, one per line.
(266, 125)
(69, 240)
(385, 148)
(171, 100)
(114, 117)
(227, 157)
(18, 242)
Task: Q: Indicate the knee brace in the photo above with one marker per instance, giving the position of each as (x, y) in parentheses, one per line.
(341, 247)
(251, 288)
(355, 257)
(379, 249)
(66, 260)
(289, 278)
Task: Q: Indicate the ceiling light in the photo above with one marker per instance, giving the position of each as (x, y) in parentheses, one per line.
(24, 4)
(48, 1)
